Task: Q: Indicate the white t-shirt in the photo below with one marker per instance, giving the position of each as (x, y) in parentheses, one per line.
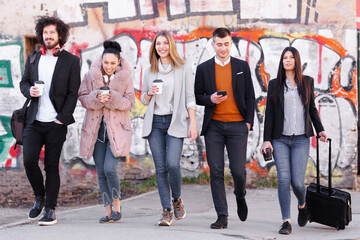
(46, 111)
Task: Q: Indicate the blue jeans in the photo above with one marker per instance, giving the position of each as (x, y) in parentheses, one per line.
(106, 167)
(291, 155)
(166, 151)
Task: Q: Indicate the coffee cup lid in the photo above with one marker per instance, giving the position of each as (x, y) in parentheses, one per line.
(104, 88)
(158, 80)
(39, 82)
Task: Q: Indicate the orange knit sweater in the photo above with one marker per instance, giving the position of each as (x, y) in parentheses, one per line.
(227, 110)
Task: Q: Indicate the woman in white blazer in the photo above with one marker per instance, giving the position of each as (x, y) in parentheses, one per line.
(169, 118)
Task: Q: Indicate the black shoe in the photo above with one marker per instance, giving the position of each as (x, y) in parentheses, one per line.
(285, 228)
(37, 208)
(303, 216)
(116, 216)
(105, 219)
(242, 209)
(48, 218)
(221, 222)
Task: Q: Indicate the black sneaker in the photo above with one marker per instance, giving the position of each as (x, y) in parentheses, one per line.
(285, 228)
(48, 218)
(37, 208)
(303, 216)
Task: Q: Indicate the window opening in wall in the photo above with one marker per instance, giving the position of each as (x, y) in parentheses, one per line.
(31, 44)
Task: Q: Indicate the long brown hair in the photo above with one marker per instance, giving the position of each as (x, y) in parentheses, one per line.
(303, 88)
(175, 59)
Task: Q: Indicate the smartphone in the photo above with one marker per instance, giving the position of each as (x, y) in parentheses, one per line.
(223, 93)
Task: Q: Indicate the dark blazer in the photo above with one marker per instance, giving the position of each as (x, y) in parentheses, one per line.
(64, 86)
(241, 83)
(274, 114)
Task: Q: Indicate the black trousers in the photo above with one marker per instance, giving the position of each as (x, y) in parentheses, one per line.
(53, 136)
(234, 136)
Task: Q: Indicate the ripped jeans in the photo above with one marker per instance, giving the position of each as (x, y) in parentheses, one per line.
(106, 167)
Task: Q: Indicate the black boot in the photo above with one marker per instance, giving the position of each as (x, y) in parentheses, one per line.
(242, 208)
(221, 222)
(37, 208)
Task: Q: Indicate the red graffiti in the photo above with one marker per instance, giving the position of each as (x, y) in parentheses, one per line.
(8, 163)
(320, 63)
(262, 103)
(332, 43)
(14, 153)
(256, 168)
(76, 48)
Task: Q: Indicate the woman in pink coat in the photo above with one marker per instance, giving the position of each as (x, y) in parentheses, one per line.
(106, 131)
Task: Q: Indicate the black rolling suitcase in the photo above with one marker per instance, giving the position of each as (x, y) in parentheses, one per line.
(327, 205)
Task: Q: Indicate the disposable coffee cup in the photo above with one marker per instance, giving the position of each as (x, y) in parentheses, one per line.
(267, 155)
(159, 84)
(105, 90)
(40, 86)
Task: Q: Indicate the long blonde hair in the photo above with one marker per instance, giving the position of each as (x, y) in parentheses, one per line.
(175, 60)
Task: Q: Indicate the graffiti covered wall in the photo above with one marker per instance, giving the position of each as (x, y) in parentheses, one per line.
(260, 31)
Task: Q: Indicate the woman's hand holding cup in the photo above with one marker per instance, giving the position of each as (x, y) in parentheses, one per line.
(152, 91)
(104, 95)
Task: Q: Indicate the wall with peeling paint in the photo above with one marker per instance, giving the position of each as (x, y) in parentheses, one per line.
(324, 32)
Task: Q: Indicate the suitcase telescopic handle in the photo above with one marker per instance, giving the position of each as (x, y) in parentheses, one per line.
(318, 166)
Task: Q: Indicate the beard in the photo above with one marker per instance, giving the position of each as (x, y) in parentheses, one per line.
(50, 45)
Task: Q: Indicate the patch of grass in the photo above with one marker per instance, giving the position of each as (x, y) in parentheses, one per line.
(147, 185)
(269, 182)
(202, 178)
(139, 187)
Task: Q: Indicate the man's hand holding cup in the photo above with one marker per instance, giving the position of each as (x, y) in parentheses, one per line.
(37, 89)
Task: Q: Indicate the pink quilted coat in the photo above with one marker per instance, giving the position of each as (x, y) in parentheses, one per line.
(116, 111)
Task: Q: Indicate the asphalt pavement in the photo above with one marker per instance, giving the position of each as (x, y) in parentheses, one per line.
(141, 214)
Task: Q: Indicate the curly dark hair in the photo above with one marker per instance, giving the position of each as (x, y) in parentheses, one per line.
(61, 27)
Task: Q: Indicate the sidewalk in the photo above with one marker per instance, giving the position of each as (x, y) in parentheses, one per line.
(141, 213)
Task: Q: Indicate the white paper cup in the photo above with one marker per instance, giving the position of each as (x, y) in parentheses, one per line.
(104, 90)
(159, 84)
(40, 86)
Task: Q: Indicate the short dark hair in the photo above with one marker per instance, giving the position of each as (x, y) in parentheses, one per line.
(221, 32)
(61, 27)
(112, 47)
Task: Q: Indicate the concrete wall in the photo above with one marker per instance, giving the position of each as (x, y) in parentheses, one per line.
(324, 32)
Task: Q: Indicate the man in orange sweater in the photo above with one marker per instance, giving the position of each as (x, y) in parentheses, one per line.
(223, 85)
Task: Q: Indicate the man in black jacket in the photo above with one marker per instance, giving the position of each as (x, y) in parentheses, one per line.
(223, 85)
(49, 113)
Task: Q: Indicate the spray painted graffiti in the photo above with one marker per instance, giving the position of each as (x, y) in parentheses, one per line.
(284, 11)
(322, 58)
(259, 40)
(11, 57)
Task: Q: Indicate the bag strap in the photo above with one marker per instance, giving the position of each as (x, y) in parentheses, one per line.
(318, 167)
(23, 109)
